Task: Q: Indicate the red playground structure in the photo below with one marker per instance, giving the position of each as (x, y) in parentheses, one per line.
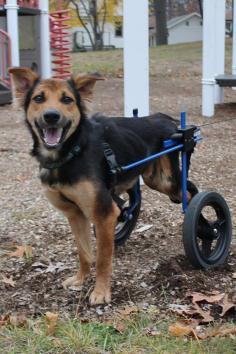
(31, 36)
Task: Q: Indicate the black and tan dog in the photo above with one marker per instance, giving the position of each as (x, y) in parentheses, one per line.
(74, 171)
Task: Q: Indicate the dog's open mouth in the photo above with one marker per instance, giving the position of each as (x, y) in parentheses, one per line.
(52, 136)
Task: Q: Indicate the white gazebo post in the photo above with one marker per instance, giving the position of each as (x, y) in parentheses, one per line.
(213, 54)
(219, 46)
(12, 28)
(234, 40)
(208, 70)
(136, 57)
(45, 40)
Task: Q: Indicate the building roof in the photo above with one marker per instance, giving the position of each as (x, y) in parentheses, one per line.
(176, 20)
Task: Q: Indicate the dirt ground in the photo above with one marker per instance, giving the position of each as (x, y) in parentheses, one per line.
(151, 268)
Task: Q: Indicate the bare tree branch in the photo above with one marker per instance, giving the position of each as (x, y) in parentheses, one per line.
(82, 21)
(104, 16)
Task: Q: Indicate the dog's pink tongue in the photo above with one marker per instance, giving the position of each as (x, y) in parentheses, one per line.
(52, 136)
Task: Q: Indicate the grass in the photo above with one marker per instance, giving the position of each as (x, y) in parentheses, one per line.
(110, 63)
(72, 336)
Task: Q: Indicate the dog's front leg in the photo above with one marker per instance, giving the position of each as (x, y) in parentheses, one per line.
(105, 227)
(80, 227)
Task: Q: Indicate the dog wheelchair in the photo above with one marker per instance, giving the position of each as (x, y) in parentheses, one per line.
(207, 227)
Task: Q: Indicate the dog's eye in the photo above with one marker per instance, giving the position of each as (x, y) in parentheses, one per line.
(67, 99)
(39, 99)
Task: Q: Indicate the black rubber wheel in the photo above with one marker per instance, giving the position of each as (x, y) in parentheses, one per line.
(207, 230)
(125, 225)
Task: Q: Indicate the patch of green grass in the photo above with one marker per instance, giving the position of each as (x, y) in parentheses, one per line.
(72, 336)
(110, 63)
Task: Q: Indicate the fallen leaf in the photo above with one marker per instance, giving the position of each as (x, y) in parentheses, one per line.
(21, 251)
(211, 299)
(152, 332)
(8, 281)
(144, 228)
(18, 320)
(38, 265)
(119, 327)
(128, 310)
(4, 320)
(21, 178)
(219, 332)
(226, 305)
(181, 329)
(51, 319)
(57, 267)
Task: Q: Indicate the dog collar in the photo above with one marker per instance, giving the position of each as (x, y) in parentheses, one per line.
(56, 164)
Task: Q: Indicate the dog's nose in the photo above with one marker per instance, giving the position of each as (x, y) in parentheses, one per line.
(51, 116)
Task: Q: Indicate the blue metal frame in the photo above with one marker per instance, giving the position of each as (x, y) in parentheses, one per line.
(169, 146)
(184, 174)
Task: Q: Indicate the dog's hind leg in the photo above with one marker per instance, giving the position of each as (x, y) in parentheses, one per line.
(164, 176)
(80, 227)
(105, 227)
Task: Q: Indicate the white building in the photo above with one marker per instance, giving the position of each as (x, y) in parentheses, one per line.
(113, 35)
(184, 29)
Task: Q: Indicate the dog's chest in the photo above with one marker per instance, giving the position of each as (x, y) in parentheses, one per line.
(83, 194)
(49, 177)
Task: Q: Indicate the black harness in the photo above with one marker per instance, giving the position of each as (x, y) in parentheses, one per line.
(114, 167)
(59, 163)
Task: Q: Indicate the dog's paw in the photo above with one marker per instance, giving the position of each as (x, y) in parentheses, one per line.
(99, 296)
(76, 280)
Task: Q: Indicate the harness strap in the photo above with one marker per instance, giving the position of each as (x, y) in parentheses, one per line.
(114, 167)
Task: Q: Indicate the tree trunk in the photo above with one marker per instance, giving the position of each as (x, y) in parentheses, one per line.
(200, 7)
(161, 25)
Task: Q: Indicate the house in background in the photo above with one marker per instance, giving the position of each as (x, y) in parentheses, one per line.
(112, 37)
(113, 27)
(181, 29)
(184, 29)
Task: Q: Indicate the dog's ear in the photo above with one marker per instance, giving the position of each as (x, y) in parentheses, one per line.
(23, 80)
(85, 84)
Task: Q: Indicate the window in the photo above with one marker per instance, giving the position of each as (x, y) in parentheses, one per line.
(118, 29)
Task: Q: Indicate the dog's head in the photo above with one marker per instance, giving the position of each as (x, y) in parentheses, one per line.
(53, 108)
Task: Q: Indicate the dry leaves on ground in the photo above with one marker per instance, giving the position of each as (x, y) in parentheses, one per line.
(16, 319)
(192, 329)
(51, 320)
(21, 251)
(128, 310)
(202, 304)
(181, 328)
(8, 281)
